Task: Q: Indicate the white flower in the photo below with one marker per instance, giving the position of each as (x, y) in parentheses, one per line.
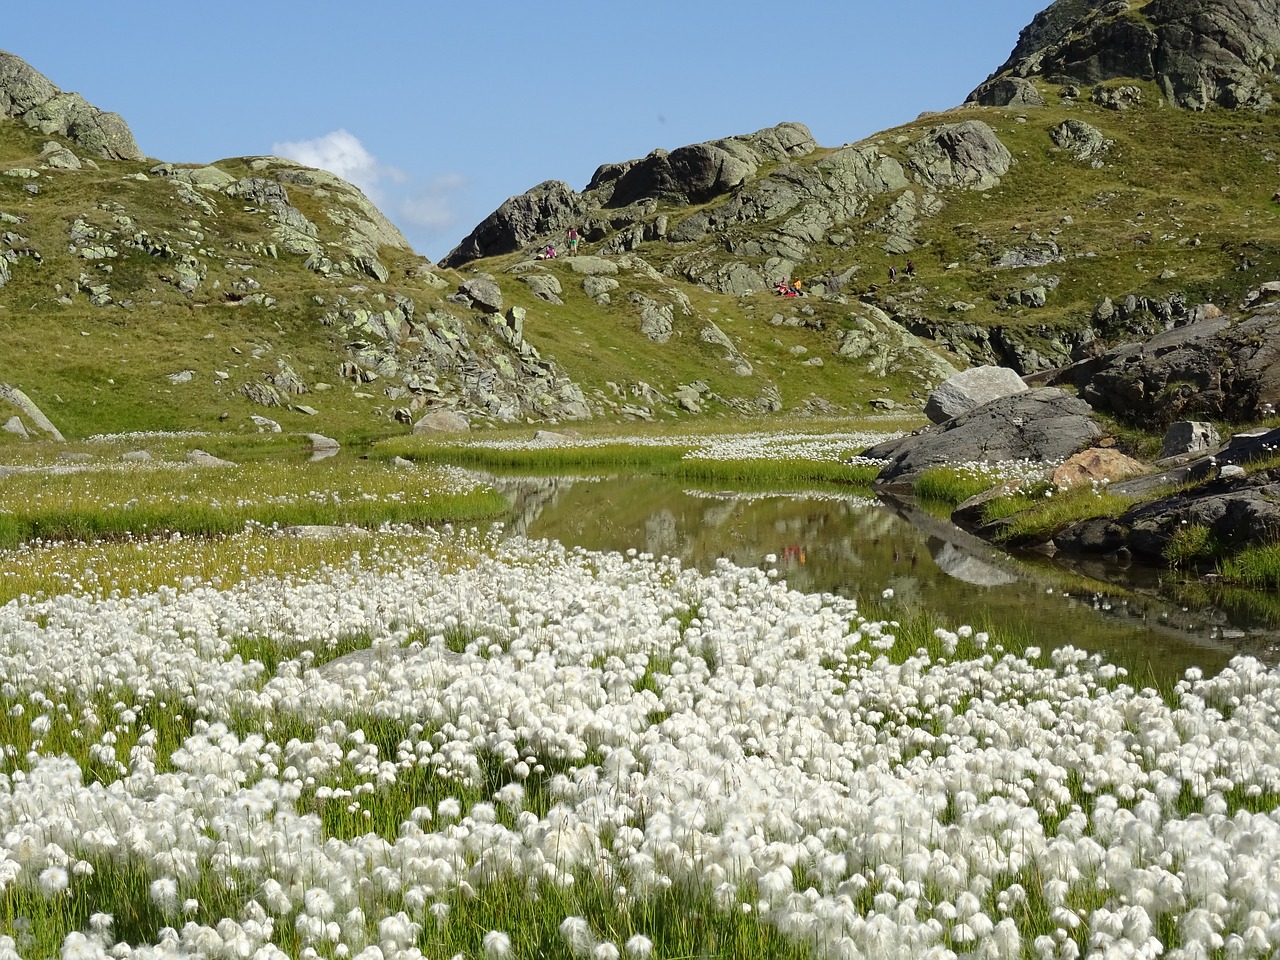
(54, 881)
(639, 947)
(497, 945)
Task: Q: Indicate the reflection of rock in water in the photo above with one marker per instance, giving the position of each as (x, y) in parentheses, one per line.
(661, 534)
(721, 511)
(961, 565)
(529, 496)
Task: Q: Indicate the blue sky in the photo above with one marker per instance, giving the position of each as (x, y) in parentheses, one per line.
(442, 111)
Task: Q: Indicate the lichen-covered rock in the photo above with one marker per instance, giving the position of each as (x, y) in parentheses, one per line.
(29, 96)
(1218, 368)
(442, 421)
(1044, 424)
(967, 155)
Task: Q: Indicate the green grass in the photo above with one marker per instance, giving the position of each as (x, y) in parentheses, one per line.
(117, 500)
(1031, 518)
(1257, 567)
(950, 485)
(671, 461)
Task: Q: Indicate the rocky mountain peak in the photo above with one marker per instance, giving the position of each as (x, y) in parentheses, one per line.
(1199, 52)
(31, 97)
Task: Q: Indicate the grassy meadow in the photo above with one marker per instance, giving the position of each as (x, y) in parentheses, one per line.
(401, 740)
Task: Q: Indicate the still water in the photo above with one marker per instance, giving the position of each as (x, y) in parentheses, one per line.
(857, 547)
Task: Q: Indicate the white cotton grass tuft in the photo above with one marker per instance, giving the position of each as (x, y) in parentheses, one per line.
(54, 881)
(578, 936)
(639, 947)
(497, 945)
(719, 732)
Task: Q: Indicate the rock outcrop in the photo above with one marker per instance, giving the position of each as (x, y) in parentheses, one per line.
(1220, 368)
(1199, 52)
(29, 96)
(971, 388)
(1045, 425)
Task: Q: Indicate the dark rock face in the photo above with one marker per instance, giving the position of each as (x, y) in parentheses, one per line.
(1218, 369)
(1045, 424)
(550, 207)
(1200, 52)
(691, 174)
(1237, 513)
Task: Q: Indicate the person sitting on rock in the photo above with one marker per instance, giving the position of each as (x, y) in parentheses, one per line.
(795, 288)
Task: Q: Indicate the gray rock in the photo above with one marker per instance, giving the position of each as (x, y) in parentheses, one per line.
(29, 96)
(14, 425)
(967, 155)
(1199, 52)
(972, 388)
(1044, 424)
(1082, 140)
(137, 456)
(597, 287)
(265, 424)
(1218, 368)
(657, 321)
(201, 458)
(1238, 512)
(26, 406)
(442, 421)
(1010, 92)
(544, 286)
(58, 157)
(548, 209)
(484, 293)
(321, 442)
(592, 266)
(1189, 436)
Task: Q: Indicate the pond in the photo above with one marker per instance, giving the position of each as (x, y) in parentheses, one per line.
(858, 547)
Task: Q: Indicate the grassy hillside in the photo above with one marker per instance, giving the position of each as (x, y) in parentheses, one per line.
(1178, 208)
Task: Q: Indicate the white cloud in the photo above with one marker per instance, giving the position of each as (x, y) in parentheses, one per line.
(432, 208)
(425, 212)
(343, 154)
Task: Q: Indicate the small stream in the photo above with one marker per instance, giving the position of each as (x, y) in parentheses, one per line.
(854, 546)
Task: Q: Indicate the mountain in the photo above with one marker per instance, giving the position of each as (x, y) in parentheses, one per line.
(142, 295)
(1115, 174)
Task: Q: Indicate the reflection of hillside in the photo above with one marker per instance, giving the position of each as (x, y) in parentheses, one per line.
(858, 548)
(529, 496)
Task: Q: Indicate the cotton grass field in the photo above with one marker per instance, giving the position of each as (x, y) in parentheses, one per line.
(406, 742)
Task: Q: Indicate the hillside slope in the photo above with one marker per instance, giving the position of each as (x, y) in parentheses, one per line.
(1117, 172)
(1120, 170)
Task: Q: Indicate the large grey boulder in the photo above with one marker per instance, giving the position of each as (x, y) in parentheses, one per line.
(967, 155)
(1046, 425)
(972, 388)
(1189, 436)
(623, 198)
(1220, 368)
(1082, 140)
(701, 171)
(27, 407)
(1198, 52)
(484, 293)
(29, 96)
(1010, 92)
(442, 421)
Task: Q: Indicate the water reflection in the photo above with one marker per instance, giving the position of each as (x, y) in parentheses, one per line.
(853, 546)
